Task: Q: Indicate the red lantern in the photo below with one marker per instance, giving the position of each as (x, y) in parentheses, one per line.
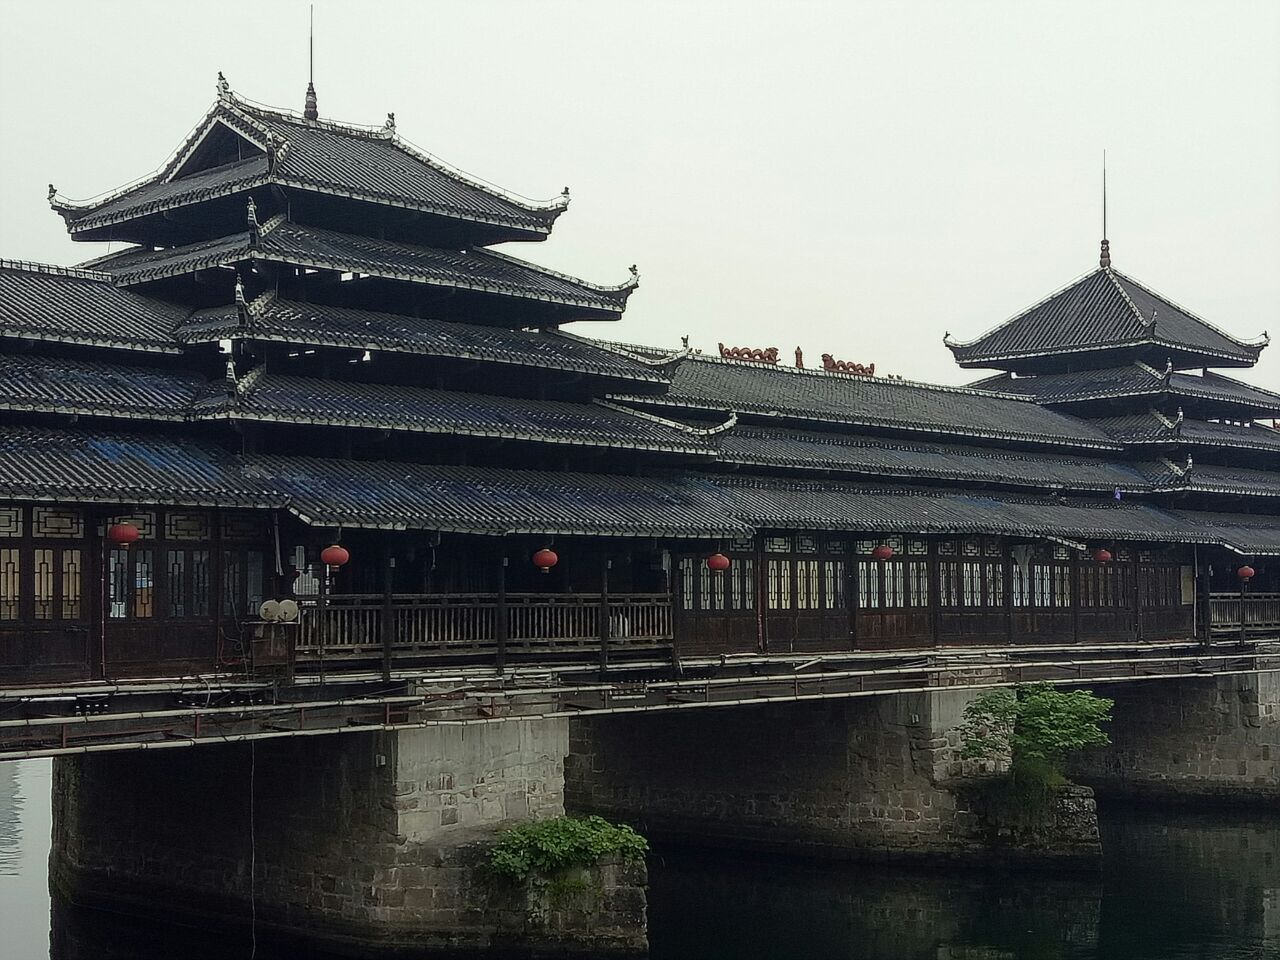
(882, 552)
(1246, 572)
(334, 555)
(122, 533)
(1102, 555)
(545, 559)
(717, 562)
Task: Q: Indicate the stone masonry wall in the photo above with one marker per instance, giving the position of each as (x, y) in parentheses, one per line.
(1214, 739)
(867, 777)
(360, 840)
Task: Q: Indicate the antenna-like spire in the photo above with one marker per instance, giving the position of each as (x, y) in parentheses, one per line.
(309, 110)
(1104, 259)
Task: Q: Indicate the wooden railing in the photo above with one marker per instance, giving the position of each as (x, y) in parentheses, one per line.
(457, 623)
(1261, 612)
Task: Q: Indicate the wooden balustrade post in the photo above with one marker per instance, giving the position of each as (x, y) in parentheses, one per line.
(500, 621)
(1206, 601)
(1244, 631)
(604, 618)
(388, 617)
(322, 617)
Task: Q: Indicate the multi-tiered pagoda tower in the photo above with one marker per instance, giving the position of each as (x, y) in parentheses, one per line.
(1113, 351)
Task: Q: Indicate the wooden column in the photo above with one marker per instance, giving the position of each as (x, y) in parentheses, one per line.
(851, 599)
(935, 593)
(1075, 596)
(1137, 594)
(762, 598)
(1007, 572)
(604, 617)
(500, 617)
(388, 616)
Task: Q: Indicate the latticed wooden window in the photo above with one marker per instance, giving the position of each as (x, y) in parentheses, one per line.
(779, 584)
(833, 585)
(868, 585)
(918, 578)
(10, 583)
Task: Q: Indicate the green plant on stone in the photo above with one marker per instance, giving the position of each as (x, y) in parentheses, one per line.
(1035, 728)
(546, 848)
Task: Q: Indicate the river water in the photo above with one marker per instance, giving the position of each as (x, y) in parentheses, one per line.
(1175, 886)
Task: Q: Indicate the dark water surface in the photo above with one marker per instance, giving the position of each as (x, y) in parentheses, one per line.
(1175, 886)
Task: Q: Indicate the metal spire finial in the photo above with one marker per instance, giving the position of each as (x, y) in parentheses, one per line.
(310, 110)
(1104, 258)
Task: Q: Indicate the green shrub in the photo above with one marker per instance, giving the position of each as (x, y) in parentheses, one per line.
(547, 847)
(1035, 727)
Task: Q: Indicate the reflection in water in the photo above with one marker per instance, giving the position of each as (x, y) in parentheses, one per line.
(25, 825)
(1176, 886)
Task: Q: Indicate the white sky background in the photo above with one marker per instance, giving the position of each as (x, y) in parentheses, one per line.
(851, 177)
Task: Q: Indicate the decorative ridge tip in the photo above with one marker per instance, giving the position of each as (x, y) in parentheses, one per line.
(310, 110)
(224, 87)
(1104, 257)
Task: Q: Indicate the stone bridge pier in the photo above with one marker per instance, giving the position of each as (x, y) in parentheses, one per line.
(356, 841)
(1194, 740)
(873, 777)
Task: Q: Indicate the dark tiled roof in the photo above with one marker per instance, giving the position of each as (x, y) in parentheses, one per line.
(40, 302)
(49, 385)
(1078, 385)
(835, 505)
(315, 325)
(1238, 481)
(1105, 309)
(481, 270)
(488, 501)
(290, 399)
(1136, 380)
(39, 464)
(155, 195)
(140, 264)
(1248, 534)
(1152, 427)
(365, 163)
(379, 167)
(875, 456)
(760, 390)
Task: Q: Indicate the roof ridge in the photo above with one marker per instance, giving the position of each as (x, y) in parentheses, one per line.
(854, 377)
(1111, 275)
(158, 174)
(389, 135)
(630, 284)
(961, 344)
(628, 350)
(1194, 316)
(719, 428)
(54, 270)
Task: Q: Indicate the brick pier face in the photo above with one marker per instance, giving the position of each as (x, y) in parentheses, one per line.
(368, 840)
(879, 777)
(1204, 740)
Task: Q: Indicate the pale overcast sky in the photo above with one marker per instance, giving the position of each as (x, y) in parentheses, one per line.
(851, 177)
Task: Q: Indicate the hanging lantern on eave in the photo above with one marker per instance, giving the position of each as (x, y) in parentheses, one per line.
(123, 533)
(882, 551)
(1246, 573)
(334, 555)
(1102, 555)
(718, 562)
(545, 559)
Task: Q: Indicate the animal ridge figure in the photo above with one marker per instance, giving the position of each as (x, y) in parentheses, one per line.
(833, 365)
(769, 355)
